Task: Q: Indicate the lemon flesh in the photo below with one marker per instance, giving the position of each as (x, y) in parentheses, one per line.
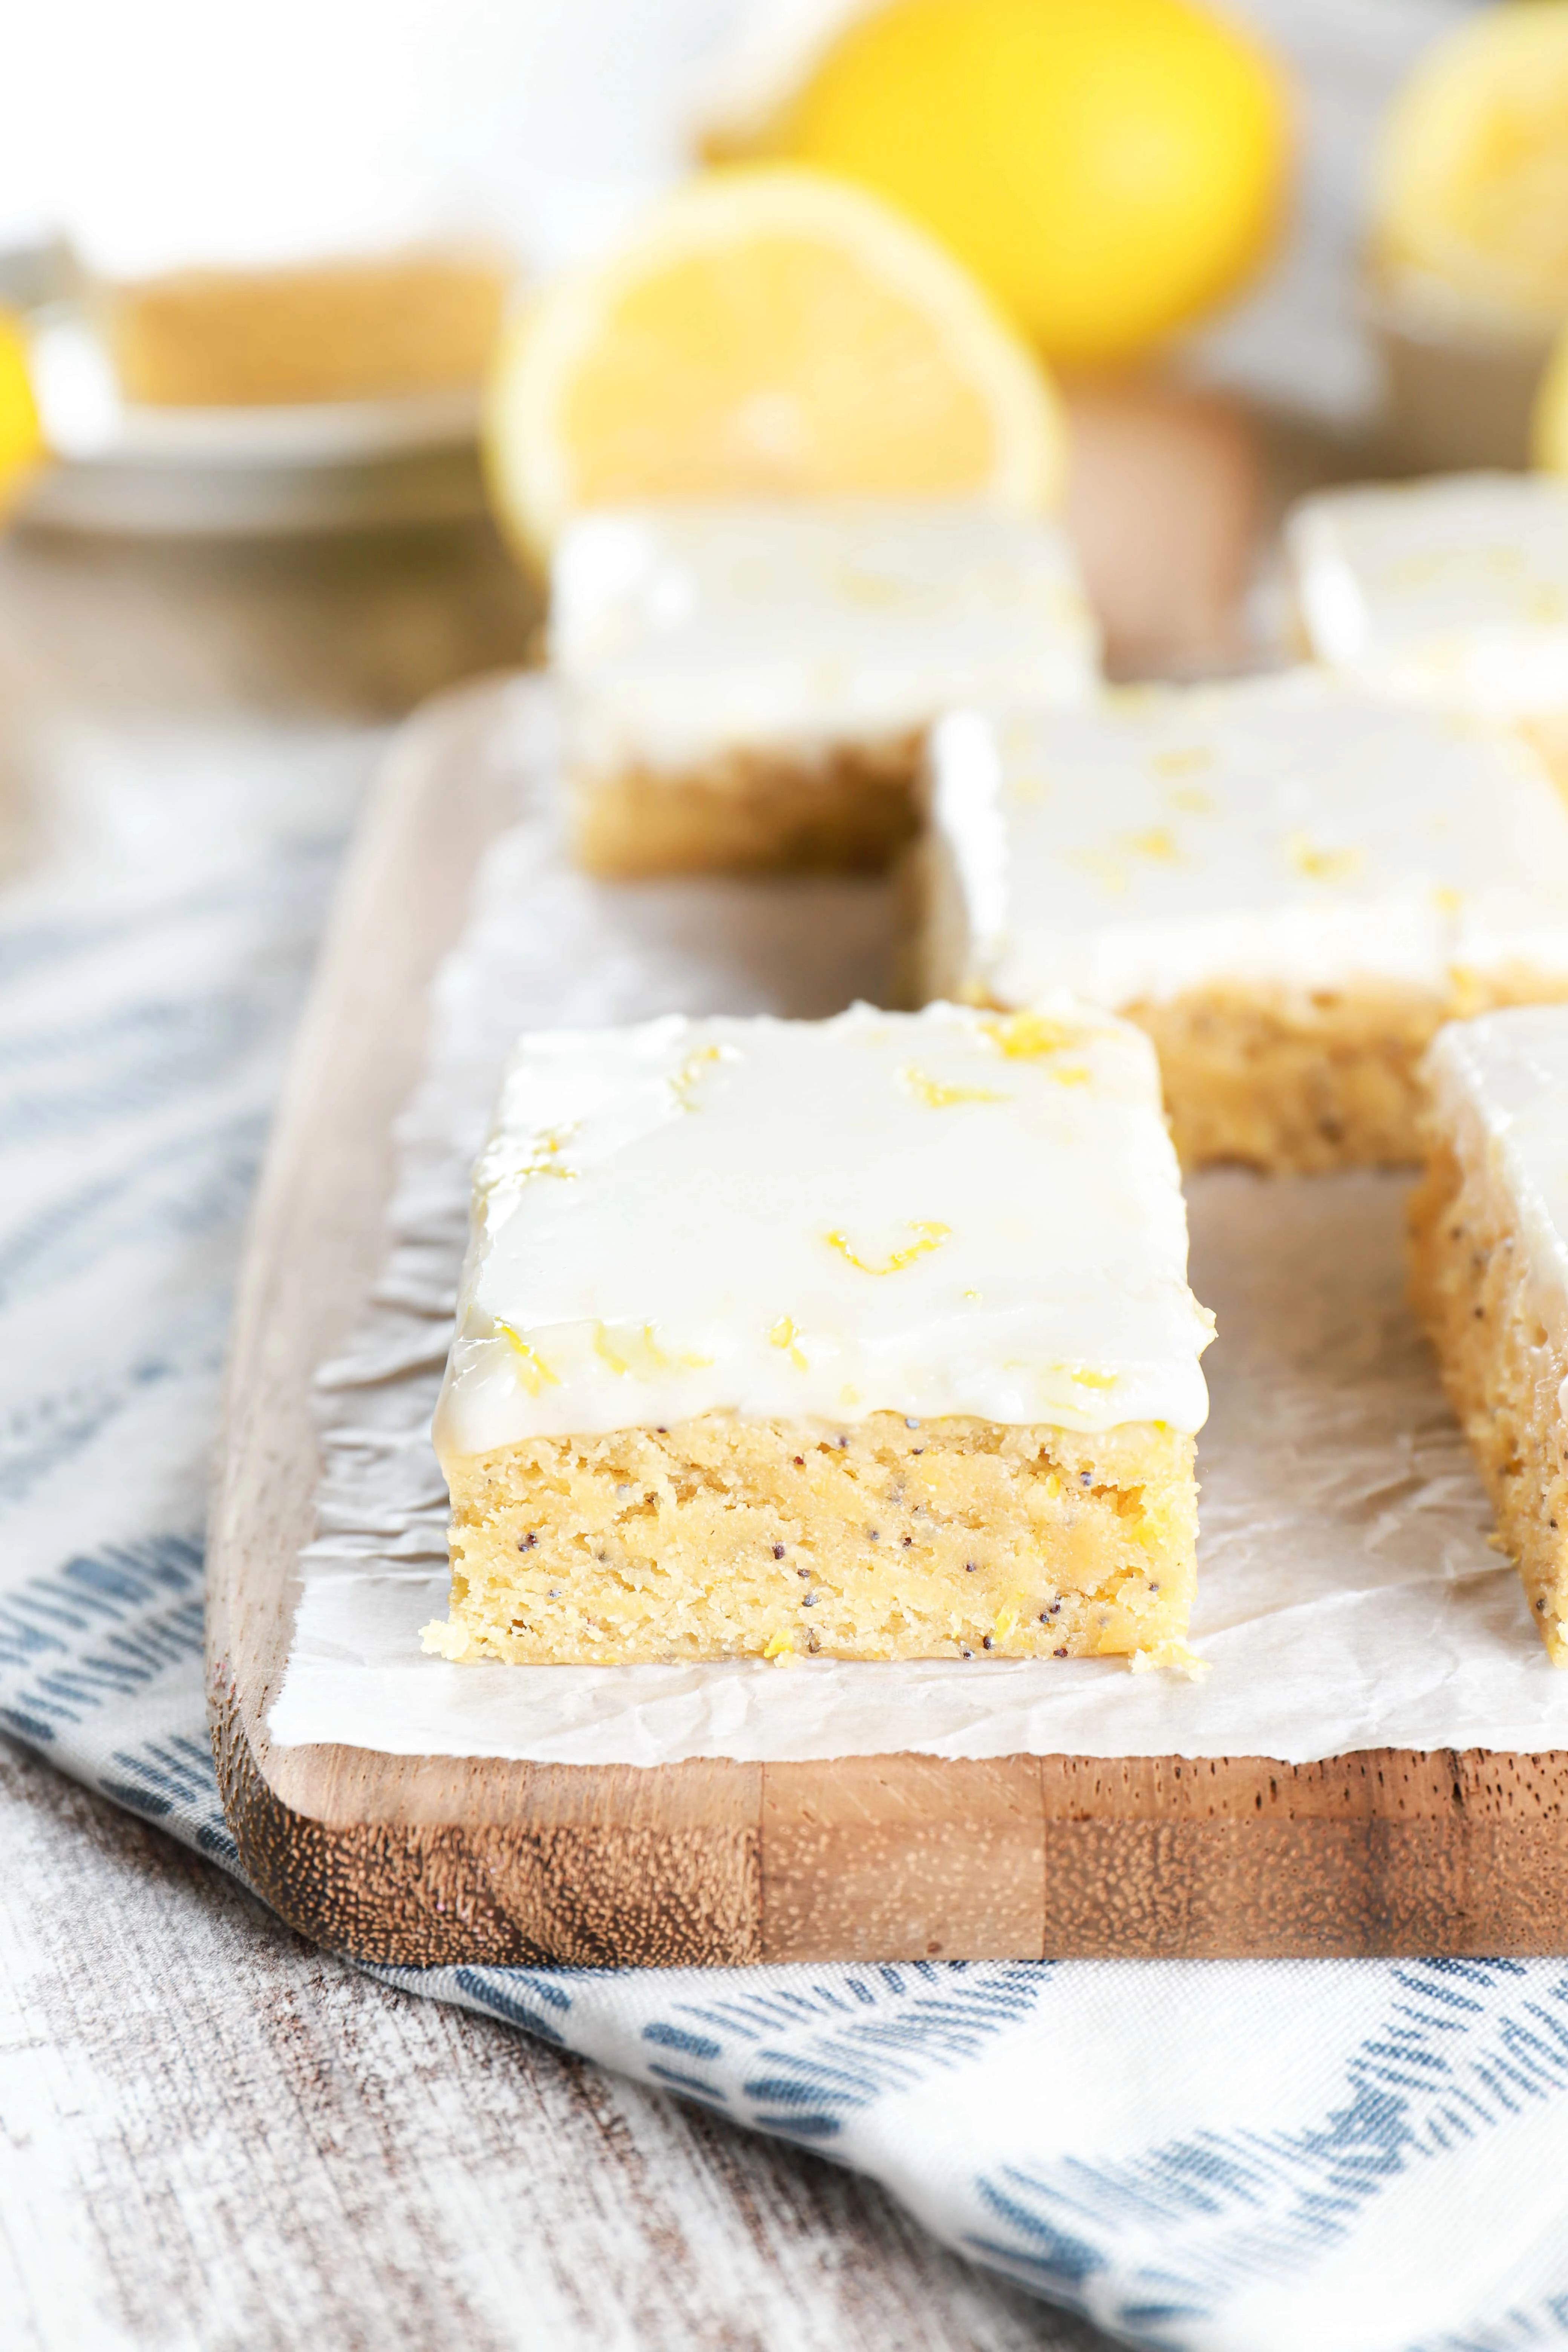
(764, 333)
(1109, 169)
(1471, 185)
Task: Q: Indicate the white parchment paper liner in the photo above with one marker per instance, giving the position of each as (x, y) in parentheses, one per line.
(1347, 1598)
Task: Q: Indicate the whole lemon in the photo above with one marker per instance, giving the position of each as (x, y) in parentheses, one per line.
(1109, 168)
(21, 438)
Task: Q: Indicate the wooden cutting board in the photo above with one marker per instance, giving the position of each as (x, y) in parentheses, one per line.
(423, 1861)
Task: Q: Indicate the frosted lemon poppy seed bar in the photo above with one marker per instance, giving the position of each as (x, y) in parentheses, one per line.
(1289, 885)
(1489, 1235)
(868, 1337)
(747, 685)
(1452, 590)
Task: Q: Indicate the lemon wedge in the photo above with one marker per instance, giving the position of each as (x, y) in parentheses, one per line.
(764, 332)
(21, 435)
(1471, 185)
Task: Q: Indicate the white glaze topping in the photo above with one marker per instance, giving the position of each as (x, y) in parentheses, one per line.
(1453, 590)
(928, 1213)
(1284, 830)
(682, 632)
(1505, 1077)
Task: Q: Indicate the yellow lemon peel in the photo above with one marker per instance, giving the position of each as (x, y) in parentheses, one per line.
(785, 1335)
(1319, 865)
(1158, 842)
(531, 1369)
(544, 1155)
(1030, 1036)
(929, 1236)
(1008, 130)
(938, 1095)
(697, 1062)
(639, 1356)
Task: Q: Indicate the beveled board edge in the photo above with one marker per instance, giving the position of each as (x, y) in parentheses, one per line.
(420, 1861)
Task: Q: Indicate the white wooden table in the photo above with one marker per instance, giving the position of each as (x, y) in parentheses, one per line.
(211, 2135)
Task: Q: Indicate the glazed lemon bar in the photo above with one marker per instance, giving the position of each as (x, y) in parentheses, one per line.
(1452, 590)
(1288, 884)
(1490, 1232)
(867, 1338)
(367, 329)
(748, 686)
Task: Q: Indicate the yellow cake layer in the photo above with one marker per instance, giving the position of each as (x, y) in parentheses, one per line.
(1503, 1365)
(1298, 1081)
(332, 330)
(848, 808)
(720, 1538)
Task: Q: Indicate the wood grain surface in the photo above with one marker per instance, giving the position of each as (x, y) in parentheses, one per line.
(425, 1861)
(214, 2139)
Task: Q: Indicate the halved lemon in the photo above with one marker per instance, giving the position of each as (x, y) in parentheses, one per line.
(1471, 185)
(766, 332)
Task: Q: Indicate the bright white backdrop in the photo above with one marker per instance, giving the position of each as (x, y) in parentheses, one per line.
(176, 129)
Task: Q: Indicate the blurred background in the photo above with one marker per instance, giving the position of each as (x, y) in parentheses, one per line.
(256, 265)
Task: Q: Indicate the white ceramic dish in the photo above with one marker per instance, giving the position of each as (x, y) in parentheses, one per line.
(239, 472)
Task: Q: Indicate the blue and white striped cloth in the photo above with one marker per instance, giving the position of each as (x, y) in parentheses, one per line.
(1242, 2157)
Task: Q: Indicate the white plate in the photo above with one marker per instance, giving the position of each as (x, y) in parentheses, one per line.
(239, 472)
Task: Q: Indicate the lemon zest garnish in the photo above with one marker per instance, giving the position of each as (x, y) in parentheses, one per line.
(930, 1236)
(780, 1646)
(1191, 800)
(937, 1094)
(1004, 1625)
(1322, 864)
(785, 1335)
(1080, 1375)
(1159, 843)
(1446, 901)
(1030, 1036)
(683, 1080)
(544, 1158)
(643, 1358)
(1183, 762)
(533, 1371)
